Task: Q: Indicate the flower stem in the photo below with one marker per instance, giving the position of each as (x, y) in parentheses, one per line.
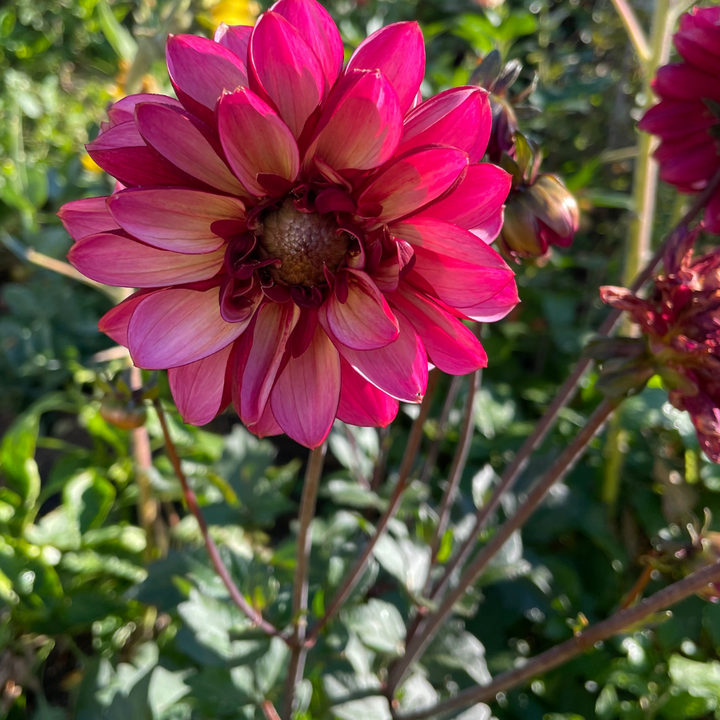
(191, 501)
(633, 29)
(313, 473)
(564, 463)
(620, 622)
(456, 469)
(406, 466)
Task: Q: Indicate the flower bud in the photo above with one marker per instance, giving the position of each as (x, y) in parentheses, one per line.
(540, 211)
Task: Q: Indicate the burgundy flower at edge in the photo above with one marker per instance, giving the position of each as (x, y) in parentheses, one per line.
(686, 118)
(305, 237)
(679, 321)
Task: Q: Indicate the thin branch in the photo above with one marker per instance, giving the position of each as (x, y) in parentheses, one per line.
(147, 504)
(564, 394)
(564, 463)
(621, 621)
(269, 710)
(191, 501)
(441, 430)
(24, 252)
(313, 473)
(406, 466)
(635, 32)
(456, 469)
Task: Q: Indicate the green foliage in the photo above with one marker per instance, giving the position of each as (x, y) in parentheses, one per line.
(102, 620)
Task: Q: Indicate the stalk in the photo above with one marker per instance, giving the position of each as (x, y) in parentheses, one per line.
(564, 463)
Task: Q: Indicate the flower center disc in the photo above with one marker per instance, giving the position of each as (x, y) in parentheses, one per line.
(305, 243)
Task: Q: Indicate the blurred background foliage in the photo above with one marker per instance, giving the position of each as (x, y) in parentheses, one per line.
(109, 608)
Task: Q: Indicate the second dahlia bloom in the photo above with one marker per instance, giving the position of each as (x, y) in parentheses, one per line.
(686, 118)
(681, 338)
(306, 237)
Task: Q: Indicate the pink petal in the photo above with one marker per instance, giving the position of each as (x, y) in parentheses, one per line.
(477, 200)
(458, 284)
(180, 141)
(680, 81)
(201, 70)
(199, 388)
(273, 326)
(175, 219)
(116, 260)
(446, 239)
(114, 323)
(450, 345)
(361, 123)
(305, 398)
(122, 152)
(398, 51)
(267, 425)
(179, 326)
(235, 38)
(459, 117)
(411, 182)
(123, 110)
(676, 118)
(361, 403)
(399, 369)
(283, 67)
(256, 140)
(494, 309)
(318, 30)
(364, 321)
(87, 217)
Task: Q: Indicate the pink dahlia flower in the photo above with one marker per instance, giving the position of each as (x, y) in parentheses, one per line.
(686, 118)
(305, 237)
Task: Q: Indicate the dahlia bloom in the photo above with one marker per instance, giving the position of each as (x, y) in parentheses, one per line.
(682, 338)
(305, 236)
(686, 118)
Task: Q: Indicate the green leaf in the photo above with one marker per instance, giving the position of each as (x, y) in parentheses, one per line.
(120, 39)
(371, 708)
(89, 497)
(698, 678)
(17, 450)
(378, 624)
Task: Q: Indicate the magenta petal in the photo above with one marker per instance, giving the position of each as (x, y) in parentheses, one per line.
(87, 217)
(361, 123)
(235, 38)
(198, 389)
(267, 425)
(318, 30)
(496, 308)
(122, 152)
(256, 141)
(175, 219)
(477, 200)
(284, 67)
(399, 369)
(364, 321)
(273, 326)
(446, 239)
(179, 326)
(201, 70)
(459, 117)
(361, 403)
(680, 81)
(449, 344)
(114, 323)
(457, 283)
(180, 141)
(123, 110)
(711, 220)
(411, 182)
(117, 260)
(398, 51)
(305, 398)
